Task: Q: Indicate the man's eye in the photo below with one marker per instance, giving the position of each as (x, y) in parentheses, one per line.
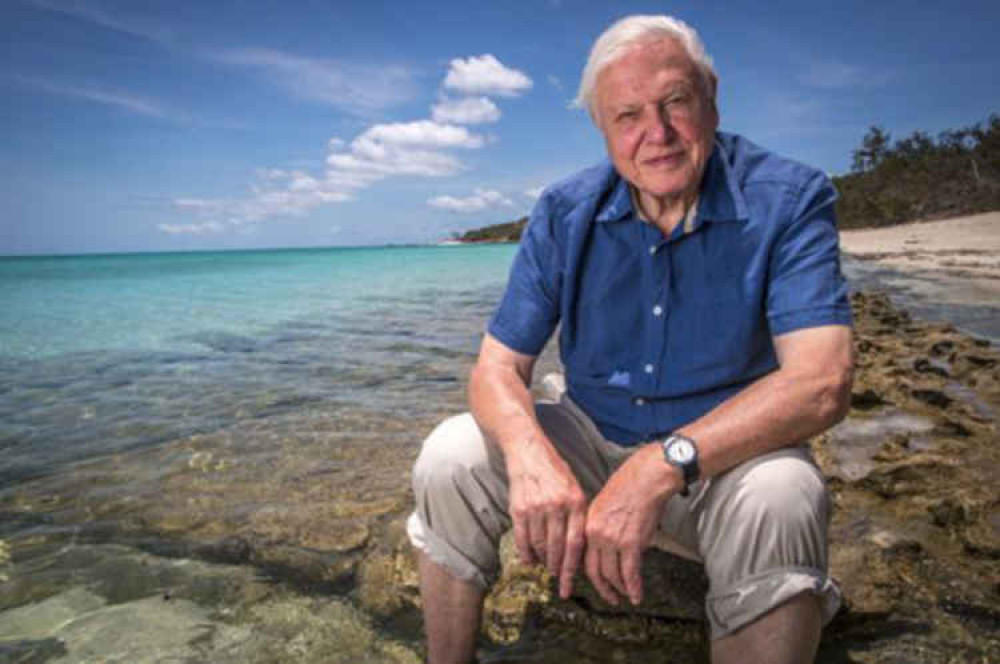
(627, 116)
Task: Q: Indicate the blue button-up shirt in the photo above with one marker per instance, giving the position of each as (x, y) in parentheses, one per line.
(655, 331)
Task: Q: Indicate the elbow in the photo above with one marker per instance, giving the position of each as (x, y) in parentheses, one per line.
(833, 398)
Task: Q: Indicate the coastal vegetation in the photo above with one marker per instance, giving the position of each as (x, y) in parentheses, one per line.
(920, 177)
(916, 178)
(506, 232)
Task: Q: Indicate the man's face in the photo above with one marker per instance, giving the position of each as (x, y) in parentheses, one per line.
(658, 119)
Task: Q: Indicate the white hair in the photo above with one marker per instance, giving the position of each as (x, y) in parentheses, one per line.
(632, 31)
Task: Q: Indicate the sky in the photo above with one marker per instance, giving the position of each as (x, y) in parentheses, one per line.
(130, 125)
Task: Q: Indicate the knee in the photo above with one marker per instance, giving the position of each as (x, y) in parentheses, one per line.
(460, 494)
(788, 491)
(454, 450)
(780, 505)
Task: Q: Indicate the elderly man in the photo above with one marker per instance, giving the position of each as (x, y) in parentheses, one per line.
(705, 334)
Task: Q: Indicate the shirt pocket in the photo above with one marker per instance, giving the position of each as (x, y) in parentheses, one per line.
(711, 325)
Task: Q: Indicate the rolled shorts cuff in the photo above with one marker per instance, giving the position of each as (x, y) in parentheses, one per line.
(737, 606)
(423, 539)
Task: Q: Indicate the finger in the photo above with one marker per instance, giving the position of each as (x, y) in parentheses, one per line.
(611, 571)
(572, 554)
(536, 537)
(593, 565)
(555, 541)
(631, 563)
(523, 541)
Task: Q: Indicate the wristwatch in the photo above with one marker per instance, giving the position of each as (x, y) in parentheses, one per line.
(680, 451)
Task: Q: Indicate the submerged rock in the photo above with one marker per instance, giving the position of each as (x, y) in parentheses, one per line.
(90, 629)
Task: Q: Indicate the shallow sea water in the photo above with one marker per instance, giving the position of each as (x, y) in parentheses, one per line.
(197, 396)
(133, 380)
(104, 354)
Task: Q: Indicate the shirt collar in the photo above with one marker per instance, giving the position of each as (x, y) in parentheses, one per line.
(618, 205)
(720, 198)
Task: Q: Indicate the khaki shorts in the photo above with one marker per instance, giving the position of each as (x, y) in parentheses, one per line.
(759, 529)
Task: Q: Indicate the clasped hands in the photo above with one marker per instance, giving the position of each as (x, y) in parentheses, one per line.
(554, 526)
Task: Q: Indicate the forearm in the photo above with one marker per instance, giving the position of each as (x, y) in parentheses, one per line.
(547, 506)
(501, 401)
(503, 406)
(783, 408)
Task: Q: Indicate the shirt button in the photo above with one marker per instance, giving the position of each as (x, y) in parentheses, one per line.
(652, 249)
(648, 368)
(639, 401)
(657, 310)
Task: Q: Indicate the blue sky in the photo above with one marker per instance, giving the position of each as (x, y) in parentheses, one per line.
(148, 126)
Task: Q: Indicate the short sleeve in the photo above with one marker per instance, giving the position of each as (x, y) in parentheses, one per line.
(806, 287)
(529, 310)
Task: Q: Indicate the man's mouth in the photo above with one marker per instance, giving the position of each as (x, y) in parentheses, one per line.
(664, 161)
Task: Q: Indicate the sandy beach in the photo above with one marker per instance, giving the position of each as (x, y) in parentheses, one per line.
(958, 259)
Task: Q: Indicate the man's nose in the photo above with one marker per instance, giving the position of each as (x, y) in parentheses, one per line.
(660, 128)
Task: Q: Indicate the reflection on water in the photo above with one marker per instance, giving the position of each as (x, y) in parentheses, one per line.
(78, 405)
(931, 298)
(857, 440)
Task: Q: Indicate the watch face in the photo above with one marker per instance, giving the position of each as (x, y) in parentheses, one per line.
(681, 451)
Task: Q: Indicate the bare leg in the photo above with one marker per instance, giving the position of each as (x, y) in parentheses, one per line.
(788, 634)
(452, 611)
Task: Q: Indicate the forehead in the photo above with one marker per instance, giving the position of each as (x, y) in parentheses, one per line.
(646, 68)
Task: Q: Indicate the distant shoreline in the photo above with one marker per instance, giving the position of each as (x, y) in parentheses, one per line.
(961, 254)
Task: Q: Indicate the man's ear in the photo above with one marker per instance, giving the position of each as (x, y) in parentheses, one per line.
(712, 83)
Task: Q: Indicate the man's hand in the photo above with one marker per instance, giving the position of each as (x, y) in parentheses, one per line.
(622, 520)
(548, 509)
(547, 506)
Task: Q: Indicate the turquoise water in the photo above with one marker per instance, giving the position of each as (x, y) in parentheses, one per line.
(99, 354)
(163, 302)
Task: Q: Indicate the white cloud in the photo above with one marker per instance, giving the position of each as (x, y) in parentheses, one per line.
(555, 82)
(485, 75)
(422, 133)
(356, 88)
(131, 24)
(422, 148)
(116, 98)
(404, 148)
(533, 192)
(191, 229)
(469, 110)
(834, 75)
(381, 151)
(423, 163)
(481, 200)
(278, 194)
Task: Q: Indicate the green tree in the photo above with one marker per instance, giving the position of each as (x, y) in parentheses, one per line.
(874, 147)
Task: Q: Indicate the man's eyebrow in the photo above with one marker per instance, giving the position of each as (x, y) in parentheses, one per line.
(678, 83)
(618, 108)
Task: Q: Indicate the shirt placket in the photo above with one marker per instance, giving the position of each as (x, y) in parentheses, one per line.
(654, 302)
(652, 372)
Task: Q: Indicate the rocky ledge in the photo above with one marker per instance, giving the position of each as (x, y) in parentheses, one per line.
(915, 537)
